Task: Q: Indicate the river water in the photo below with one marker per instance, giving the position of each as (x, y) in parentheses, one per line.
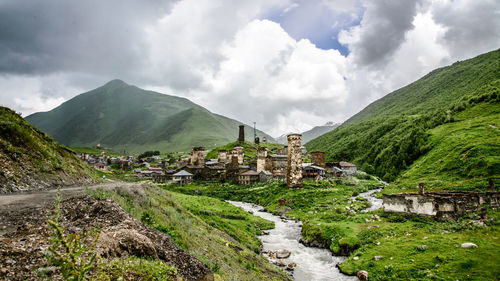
(313, 264)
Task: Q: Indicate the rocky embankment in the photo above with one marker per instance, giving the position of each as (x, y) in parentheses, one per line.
(22, 251)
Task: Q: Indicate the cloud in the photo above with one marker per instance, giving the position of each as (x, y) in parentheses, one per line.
(224, 55)
(267, 76)
(381, 32)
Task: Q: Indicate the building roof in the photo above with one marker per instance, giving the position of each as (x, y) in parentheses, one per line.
(266, 173)
(211, 162)
(182, 173)
(249, 173)
(346, 164)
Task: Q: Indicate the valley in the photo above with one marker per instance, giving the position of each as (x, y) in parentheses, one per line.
(120, 183)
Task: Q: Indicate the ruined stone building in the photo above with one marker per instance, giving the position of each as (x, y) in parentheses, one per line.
(276, 164)
(318, 159)
(440, 204)
(261, 159)
(294, 161)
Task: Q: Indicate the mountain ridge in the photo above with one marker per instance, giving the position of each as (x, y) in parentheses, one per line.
(127, 118)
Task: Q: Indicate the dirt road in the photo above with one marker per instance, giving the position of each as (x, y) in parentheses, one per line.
(21, 208)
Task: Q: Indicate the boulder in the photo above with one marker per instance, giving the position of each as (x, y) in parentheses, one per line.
(378, 258)
(468, 245)
(291, 266)
(125, 242)
(282, 254)
(362, 275)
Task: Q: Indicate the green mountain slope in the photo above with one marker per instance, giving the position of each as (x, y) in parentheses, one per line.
(389, 135)
(29, 159)
(125, 117)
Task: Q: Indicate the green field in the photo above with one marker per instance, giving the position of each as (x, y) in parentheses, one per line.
(399, 239)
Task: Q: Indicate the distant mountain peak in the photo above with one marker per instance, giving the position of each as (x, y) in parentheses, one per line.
(116, 83)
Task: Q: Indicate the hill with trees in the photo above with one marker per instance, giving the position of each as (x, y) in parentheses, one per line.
(441, 129)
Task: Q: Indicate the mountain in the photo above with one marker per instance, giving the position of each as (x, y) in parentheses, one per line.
(441, 129)
(30, 159)
(125, 117)
(311, 134)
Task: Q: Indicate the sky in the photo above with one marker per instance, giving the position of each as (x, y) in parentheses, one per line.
(288, 65)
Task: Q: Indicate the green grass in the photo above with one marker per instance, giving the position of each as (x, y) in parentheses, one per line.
(24, 148)
(465, 154)
(322, 209)
(220, 235)
(134, 268)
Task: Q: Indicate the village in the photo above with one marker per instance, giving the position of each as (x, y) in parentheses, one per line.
(230, 165)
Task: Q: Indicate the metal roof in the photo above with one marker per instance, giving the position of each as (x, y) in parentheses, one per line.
(182, 173)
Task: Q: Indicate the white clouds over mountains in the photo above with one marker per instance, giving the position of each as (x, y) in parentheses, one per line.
(225, 56)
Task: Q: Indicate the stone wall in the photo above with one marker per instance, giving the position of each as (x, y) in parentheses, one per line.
(261, 159)
(294, 161)
(318, 158)
(440, 204)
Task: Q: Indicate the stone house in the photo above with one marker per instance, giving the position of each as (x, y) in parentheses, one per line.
(248, 178)
(347, 168)
(182, 177)
(265, 176)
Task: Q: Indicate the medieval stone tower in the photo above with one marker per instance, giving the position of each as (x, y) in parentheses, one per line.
(241, 136)
(197, 156)
(294, 161)
(261, 159)
(222, 157)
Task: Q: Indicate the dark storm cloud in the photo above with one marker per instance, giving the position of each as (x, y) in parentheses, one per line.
(384, 25)
(38, 37)
(472, 27)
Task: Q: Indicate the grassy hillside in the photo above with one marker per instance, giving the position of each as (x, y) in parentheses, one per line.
(124, 117)
(30, 159)
(220, 235)
(388, 136)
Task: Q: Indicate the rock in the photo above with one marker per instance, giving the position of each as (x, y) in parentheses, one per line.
(468, 245)
(355, 258)
(124, 242)
(378, 243)
(424, 247)
(280, 263)
(412, 260)
(250, 212)
(362, 275)
(282, 254)
(291, 266)
(378, 258)
(367, 220)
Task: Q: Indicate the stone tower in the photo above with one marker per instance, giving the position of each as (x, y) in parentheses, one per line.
(238, 151)
(294, 161)
(198, 156)
(241, 137)
(222, 157)
(318, 158)
(261, 159)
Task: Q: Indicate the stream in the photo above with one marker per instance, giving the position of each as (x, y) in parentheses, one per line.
(313, 264)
